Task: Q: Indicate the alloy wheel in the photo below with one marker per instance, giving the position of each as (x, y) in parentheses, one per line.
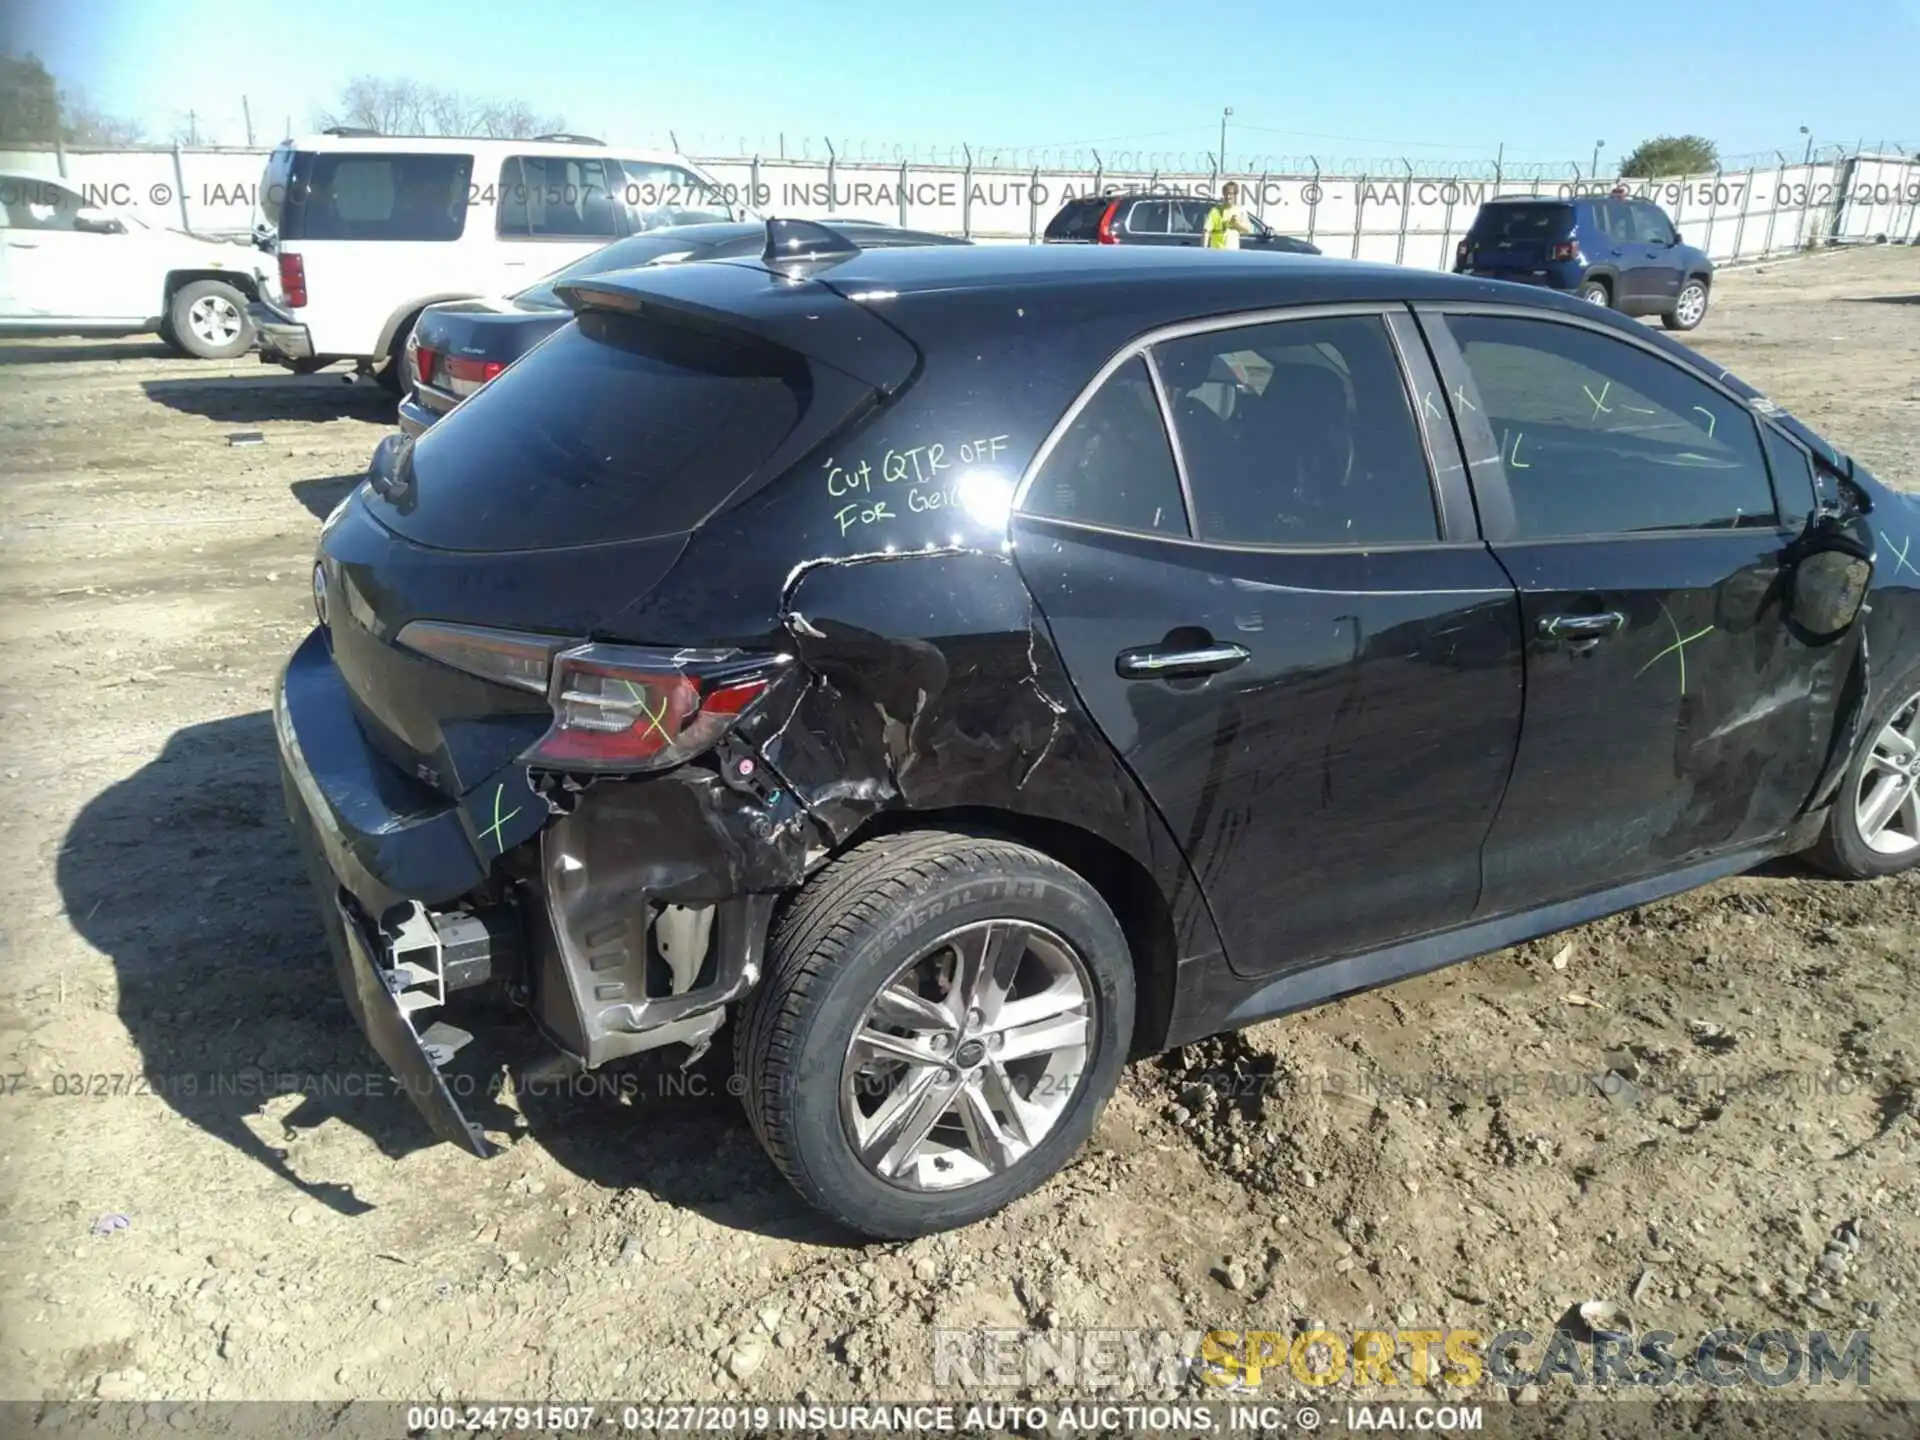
(969, 1056)
(214, 320)
(1887, 803)
(1691, 305)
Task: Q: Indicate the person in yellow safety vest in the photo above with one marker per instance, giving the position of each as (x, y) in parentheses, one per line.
(1227, 221)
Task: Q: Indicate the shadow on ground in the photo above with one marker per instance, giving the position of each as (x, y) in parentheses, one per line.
(19, 350)
(251, 399)
(321, 496)
(186, 876)
(1882, 299)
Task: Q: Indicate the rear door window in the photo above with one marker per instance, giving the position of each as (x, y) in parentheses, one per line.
(1299, 433)
(613, 429)
(1148, 217)
(559, 197)
(377, 196)
(660, 195)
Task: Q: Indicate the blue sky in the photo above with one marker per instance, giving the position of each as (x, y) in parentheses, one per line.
(1434, 80)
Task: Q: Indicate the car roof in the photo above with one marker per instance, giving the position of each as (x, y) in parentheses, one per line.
(1146, 276)
(1132, 288)
(478, 145)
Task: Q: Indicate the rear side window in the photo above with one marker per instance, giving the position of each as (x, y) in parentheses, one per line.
(614, 429)
(1114, 466)
(1299, 433)
(559, 197)
(1599, 437)
(349, 196)
(1523, 222)
(1188, 217)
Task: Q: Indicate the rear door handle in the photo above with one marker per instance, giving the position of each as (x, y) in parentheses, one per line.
(1168, 662)
(1581, 627)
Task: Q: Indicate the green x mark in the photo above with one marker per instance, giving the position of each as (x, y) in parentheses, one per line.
(1678, 648)
(653, 719)
(493, 831)
(1900, 560)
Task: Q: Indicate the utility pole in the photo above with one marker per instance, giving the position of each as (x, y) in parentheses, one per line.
(1807, 159)
(1223, 138)
(246, 110)
(1598, 146)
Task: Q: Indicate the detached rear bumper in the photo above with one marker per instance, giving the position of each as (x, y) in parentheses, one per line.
(630, 922)
(357, 851)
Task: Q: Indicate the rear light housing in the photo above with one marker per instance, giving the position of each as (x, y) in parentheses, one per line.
(616, 708)
(1460, 254)
(1564, 250)
(625, 708)
(1104, 234)
(293, 281)
(420, 360)
(464, 376)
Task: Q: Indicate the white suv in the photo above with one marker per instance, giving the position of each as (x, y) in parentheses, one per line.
(372, 229)
(68, 267)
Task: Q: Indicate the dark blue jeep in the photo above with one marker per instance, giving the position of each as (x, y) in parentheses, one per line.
(1612, 250)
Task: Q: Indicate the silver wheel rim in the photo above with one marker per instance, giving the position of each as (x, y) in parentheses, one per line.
(1596, 295)
(1886, 807)
(968, 1057)
(1692, 305)
(214, 319)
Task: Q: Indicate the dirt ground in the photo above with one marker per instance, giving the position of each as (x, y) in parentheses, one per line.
(1444, 1153)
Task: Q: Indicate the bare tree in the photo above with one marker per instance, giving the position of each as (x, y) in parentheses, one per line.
(406, 107)
(81, 123)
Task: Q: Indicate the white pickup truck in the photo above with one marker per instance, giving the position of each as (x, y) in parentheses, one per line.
(68, 267)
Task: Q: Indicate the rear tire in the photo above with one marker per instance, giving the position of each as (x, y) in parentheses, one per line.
(1689, 307)
(869, 1002)
(1596, 292)
(1856, 843)
(393, 374)
(208, 319)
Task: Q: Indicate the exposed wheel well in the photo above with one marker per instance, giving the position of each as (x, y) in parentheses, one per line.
(178, 279)
(1604, 280)
(1128, 888)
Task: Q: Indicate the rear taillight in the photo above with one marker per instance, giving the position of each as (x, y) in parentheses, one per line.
(625, 708)
(293, 281)
(615, 707)
(466, 376)
(1460, 253)
(1565, 250)
(422, 359)
(1104, 234)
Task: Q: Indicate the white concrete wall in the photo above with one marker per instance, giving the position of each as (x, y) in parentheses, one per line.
(1394, 216)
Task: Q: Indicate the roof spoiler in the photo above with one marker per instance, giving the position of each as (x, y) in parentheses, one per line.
(742, 302)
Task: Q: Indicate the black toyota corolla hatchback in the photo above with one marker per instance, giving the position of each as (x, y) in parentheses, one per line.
(965, 667)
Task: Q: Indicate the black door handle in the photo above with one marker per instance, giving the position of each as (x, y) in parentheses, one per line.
(1178, 662)
(1581, 627)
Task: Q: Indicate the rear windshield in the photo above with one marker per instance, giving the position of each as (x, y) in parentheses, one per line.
(375, 196)
(614, 429)
(1079, 220)
(1523, 222)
